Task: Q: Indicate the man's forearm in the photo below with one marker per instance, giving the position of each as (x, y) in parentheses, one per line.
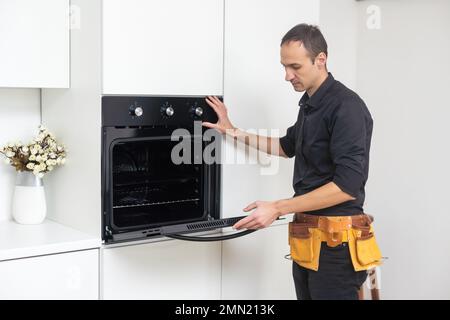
(326, 196)
(269, 145)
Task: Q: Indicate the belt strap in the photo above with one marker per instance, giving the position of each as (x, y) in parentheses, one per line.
(333, 227)
(331, 223)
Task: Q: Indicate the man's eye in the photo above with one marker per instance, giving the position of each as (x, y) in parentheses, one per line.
(296, 67)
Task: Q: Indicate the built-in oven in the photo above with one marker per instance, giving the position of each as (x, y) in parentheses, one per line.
(160, 170)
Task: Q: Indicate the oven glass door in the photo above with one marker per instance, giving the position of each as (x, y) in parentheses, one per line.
(149, 189)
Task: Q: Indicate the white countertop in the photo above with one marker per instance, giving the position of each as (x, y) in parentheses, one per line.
(21, 241)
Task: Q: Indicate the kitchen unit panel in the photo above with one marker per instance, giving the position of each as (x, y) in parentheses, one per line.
(162, 270)
(167, 47)
(258, 97)
(71, 275)
(254, 266)
(34, 43)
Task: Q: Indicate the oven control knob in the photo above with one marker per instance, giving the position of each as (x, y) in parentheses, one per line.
(198, 111)
(136, 111)
(169, 111)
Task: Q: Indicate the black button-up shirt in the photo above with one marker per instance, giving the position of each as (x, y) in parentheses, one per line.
(331, 142)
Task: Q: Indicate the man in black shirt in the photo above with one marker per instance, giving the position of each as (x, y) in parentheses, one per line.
(330, 142)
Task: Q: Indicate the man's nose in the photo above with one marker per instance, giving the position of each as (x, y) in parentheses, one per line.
(289, 76)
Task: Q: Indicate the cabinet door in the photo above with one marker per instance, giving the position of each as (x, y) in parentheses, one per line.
(162, 270)
(71, 275)
(258, 97)
(254, 266)
(172, 47)
(34, 43)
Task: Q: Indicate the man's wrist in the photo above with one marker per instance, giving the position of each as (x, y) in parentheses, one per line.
(281, 207)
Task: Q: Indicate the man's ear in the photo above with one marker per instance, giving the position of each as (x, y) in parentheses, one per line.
(321, 60)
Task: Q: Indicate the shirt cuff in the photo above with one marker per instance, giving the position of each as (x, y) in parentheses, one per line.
(287, 146)
(348, 180)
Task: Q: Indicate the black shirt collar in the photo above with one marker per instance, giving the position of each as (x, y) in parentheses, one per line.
(314, 100)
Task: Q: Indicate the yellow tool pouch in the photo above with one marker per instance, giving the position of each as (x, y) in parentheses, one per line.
(307, 233)
(305, 245)
(364, 249)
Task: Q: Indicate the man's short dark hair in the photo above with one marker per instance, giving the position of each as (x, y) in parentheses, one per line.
(311, 38)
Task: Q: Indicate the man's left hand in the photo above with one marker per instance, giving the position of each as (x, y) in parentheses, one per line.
(266, 212)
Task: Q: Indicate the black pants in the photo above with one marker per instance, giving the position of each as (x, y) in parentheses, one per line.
(335, 280)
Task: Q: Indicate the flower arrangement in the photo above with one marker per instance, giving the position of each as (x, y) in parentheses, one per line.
(39, 156)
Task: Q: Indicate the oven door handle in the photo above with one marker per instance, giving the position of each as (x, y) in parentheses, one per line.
(175, 231)
(204, 239)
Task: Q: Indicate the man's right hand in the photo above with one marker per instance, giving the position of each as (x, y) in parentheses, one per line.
(265, 144)
(223, 124)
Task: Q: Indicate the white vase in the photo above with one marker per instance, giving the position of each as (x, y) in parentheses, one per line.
(28, 203)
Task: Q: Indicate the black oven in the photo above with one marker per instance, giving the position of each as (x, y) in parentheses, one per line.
(155, 179)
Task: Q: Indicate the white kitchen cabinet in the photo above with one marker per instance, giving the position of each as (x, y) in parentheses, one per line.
(254, 266)
(34, 43)
(72, 275)
(167, 47)
(162, 270)
(258, 97)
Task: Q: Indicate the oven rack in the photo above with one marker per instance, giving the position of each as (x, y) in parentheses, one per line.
(142, 190)
(156, 203)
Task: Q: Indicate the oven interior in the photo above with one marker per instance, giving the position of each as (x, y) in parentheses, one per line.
(149, 189)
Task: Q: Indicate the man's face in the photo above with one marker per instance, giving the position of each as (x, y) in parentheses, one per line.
(300, 70)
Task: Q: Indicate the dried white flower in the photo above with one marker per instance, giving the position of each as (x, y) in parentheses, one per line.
(41, 155)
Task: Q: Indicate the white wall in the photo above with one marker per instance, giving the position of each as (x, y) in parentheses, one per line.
(403, 74)
(338, 25)
(19, 121)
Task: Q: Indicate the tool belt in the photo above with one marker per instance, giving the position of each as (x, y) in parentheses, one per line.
(308, 232)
